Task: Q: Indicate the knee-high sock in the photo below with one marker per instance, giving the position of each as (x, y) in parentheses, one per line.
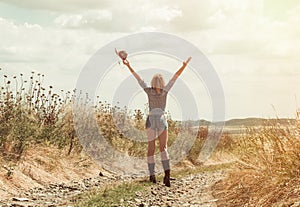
(164, 155)
(151, 167)
(166, 164)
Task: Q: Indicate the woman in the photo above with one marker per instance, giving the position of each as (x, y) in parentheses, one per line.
(156, 123)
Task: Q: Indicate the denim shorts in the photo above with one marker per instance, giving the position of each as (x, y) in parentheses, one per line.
(156, 122)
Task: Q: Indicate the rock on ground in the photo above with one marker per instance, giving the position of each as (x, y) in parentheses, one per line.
(191, 191)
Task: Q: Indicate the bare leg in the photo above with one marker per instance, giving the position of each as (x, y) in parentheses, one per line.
(151, 145)
(150, 155)
(163, 141)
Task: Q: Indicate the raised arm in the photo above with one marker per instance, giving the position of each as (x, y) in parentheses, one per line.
(126, 62)
(177, 74)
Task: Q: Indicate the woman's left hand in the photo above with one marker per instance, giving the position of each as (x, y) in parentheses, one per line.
(126, 62)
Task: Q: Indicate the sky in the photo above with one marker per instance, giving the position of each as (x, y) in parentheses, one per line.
(252, 44)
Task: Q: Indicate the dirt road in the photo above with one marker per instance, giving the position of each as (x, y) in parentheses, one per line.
(192, 190)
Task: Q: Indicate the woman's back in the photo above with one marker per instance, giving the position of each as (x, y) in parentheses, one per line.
(157, 98)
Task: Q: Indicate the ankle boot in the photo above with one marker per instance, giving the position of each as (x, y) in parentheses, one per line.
(167, 178)
(152, 179)
(151, 167)
(166, 166)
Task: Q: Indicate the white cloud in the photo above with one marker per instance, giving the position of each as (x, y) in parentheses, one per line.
(59, 5)
(243, 43)
(57, 53)
(163, 14)
(91, 18)
(18, 40)
(249, 32)
(134, 18)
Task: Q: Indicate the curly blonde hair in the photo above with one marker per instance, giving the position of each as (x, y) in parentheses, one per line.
(158, 81)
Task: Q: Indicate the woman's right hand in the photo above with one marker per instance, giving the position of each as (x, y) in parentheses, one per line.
(187, 61)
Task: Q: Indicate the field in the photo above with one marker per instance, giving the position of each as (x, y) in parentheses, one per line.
(265, 168)
(267, 171)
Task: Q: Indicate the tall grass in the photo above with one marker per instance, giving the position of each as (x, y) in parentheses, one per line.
(125, 130)
(30, 113)
(268, 170)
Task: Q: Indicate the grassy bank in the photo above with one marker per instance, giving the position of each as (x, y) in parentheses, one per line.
(268, 169)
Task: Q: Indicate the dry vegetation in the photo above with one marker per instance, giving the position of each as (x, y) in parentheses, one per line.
(268, 170)
(32, 114)
(267, 173)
